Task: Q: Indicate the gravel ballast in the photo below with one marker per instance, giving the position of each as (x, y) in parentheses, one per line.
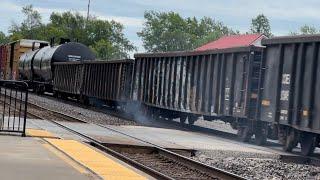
(245, 164)
(257, 166)
(87, 115)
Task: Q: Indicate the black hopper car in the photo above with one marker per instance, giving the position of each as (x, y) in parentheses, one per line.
(217, 85)
(289, 101)
(109, 81)
(268, 91)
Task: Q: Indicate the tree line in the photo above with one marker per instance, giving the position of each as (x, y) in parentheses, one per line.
(105, 38)
(161, 32)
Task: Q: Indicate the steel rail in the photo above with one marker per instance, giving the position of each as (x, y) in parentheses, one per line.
(102, 147)
(212, 171)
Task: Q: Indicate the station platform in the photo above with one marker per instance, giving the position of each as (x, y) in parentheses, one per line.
(51, 152)
(43, 155)
(31, 158)
(164, 137)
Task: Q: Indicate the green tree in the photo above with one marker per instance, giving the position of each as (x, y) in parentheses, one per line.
(94, 32)
(71, 25)
(211, 30)
(306, 29)
(260, 24)
(3, 38)
(112, 32)
(104, 49)
(29, 26)
(168, 31)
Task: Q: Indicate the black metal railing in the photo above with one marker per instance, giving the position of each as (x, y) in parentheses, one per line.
(13, 107)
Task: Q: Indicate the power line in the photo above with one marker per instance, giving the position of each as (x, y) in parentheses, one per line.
(88, 13)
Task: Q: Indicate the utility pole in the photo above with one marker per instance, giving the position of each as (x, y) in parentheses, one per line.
(88, 13)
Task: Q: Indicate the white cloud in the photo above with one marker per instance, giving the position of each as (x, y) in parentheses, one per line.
(284, 15)
(9, 7)
(127, 21)
(283, 9)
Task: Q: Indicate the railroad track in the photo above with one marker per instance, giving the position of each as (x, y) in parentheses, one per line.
(123, 115)
(159, 163)
(154, 159)
(290, 158)
(52, 115)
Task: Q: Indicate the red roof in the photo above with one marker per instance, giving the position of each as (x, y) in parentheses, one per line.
(232, 41)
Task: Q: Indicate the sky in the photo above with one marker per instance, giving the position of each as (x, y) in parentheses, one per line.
(285, 16)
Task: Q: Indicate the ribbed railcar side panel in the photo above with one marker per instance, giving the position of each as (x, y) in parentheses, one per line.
(211, 83)
(291, 83)
(68, 78)
(109, 81)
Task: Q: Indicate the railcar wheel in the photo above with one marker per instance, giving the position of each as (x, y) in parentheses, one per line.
(260, 137)
(282, 135)
(156, 115)
(234, 125)
(40, 89)
(55, 94)
(85, 101)
(308, 143)
(261, 134)
(272, 132)
(64, 96)
(151, 113)
(37, 89)
(192, 119)
(290, 140)
(244, 134)
(183, 119)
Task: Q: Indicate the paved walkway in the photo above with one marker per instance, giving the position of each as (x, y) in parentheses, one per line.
(44, 155)
(30, 158)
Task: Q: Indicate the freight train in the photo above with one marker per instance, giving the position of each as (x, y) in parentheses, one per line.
(268, 91)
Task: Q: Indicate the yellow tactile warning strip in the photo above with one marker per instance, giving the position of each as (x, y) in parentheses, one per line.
(97, 162)
(39, 133)
(65, 158)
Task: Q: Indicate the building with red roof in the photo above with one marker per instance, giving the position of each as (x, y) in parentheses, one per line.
(233, 41)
